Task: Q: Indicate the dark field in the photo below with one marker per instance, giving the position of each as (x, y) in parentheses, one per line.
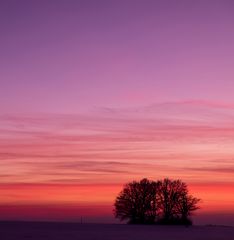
(67, 231)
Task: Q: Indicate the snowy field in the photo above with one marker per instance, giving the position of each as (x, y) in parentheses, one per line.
(70, 231)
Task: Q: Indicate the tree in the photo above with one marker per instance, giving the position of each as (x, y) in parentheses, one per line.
(147, 202)
(186, 206)
(174, 202)
(169, 194)
(136, 203)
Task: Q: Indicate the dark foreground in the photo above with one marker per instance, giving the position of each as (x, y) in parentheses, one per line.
(69, 231)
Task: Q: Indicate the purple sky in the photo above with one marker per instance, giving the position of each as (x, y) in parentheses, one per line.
(64, 56)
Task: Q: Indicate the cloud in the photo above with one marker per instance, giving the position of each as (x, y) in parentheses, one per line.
(162, 138)
(217, 170)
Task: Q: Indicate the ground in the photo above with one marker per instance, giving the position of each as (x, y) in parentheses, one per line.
(70, 231)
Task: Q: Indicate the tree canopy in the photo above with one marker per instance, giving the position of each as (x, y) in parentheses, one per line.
(147, 202)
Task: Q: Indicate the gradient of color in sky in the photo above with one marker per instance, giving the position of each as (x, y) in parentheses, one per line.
(94, 94)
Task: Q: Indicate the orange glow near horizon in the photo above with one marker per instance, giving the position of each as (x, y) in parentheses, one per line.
(64, 202)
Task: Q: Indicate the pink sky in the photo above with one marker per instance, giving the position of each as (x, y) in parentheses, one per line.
(94, 94)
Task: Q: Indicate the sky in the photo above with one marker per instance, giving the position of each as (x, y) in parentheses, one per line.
(94, 94)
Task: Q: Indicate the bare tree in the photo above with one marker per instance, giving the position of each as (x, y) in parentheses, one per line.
(164, 202)
(174, 202)
(186, 206)
(136, 203)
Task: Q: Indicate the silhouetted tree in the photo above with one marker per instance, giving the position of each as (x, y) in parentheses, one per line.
(136, 203)
(187, 204)
(174, 202)
(164, 202)
(169, 194)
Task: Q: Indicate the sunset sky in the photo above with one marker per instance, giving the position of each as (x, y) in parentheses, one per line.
(94, 94)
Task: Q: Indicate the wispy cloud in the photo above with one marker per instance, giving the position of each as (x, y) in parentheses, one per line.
(180, 139)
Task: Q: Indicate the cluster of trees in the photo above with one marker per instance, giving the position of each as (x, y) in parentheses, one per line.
(148, 202)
